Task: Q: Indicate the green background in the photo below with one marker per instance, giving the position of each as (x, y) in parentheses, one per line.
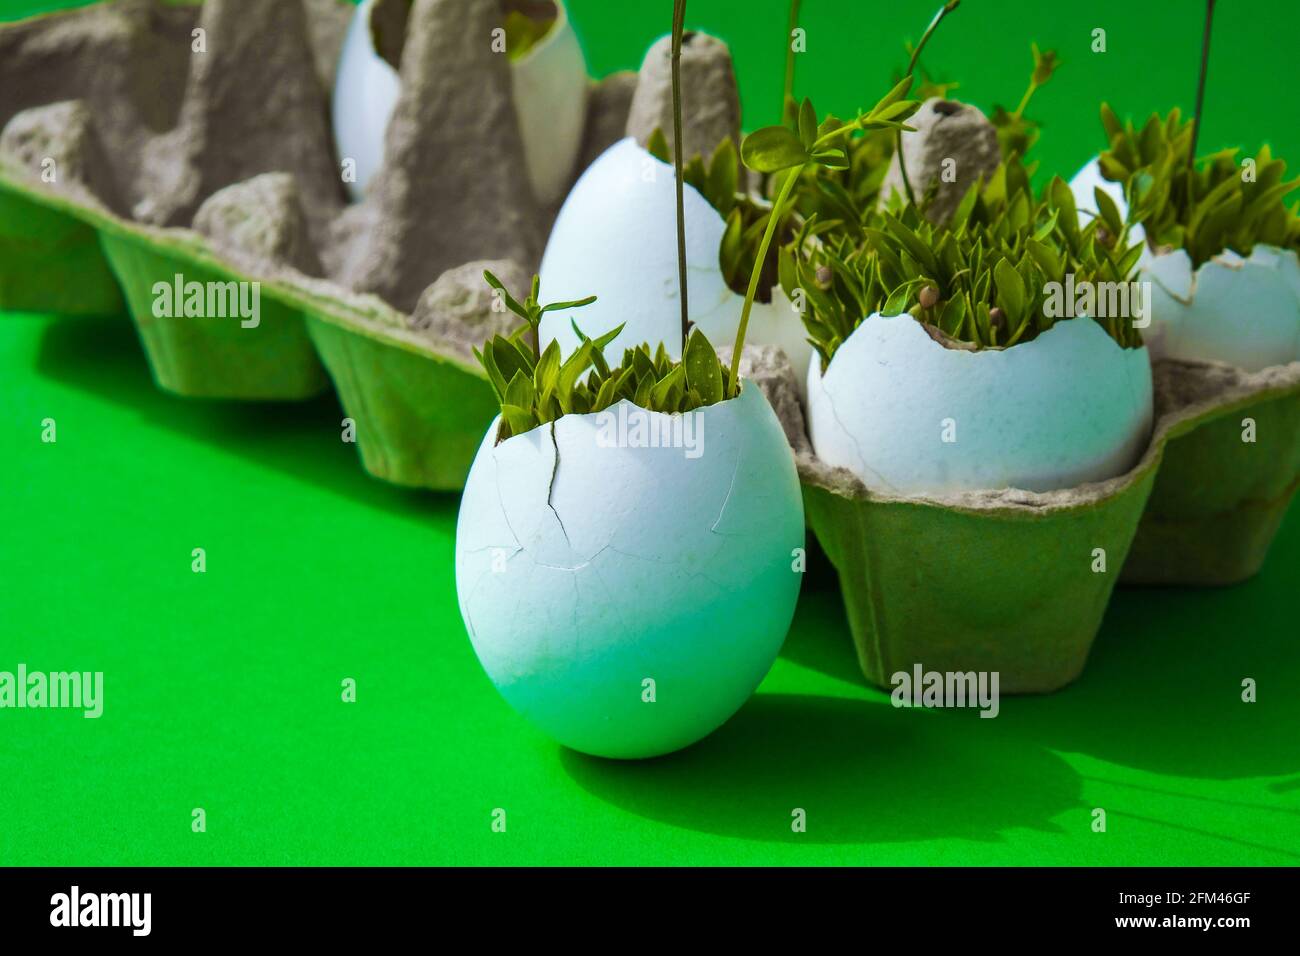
(223, 689)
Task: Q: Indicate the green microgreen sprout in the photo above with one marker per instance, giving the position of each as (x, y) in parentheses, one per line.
(1207, 207)
(777, 149)
(1017, 133)
(982, 279)
(946, 9)
(535, 386)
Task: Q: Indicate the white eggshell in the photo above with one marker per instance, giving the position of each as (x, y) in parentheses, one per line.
(1067, 407)
(1082, 185)
(549, 90)
(616, 239)
(1245, 312)
(365, 93)
(581, 580)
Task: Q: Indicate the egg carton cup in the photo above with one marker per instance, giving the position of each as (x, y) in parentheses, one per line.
(1012, 581)
(1229, 472)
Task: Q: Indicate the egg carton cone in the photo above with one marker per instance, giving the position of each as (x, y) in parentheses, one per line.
(142, 141)
(1230, 471)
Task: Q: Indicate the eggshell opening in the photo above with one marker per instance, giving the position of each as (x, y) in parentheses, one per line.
(616, 238)
(1245, 312)
(550, 94)
(585, 569)
(908, 416)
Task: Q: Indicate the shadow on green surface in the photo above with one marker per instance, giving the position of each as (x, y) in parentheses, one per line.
(1162, 689)
(102, 356)
(864, 773)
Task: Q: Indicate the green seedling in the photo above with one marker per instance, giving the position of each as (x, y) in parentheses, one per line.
(780, 149)
(537, 386)
(981, 279)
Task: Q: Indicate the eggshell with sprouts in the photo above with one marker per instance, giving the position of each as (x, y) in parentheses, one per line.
(1243, 311)
(627, 600)
(909, 416)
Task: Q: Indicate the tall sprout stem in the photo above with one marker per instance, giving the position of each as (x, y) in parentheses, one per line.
(789, 55)
(946, 9)
(1200, 84)
(679, 20)
(778, 208)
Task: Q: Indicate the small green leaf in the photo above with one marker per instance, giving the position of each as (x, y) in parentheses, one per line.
(657, 146)
(772, 149)
(703, 371)
(1011, 289)
(807, 124)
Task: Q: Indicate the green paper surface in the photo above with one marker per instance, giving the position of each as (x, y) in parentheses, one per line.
(222, 689)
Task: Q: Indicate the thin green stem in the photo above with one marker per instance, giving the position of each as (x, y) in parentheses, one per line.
(789, 55)
(778, 208)
(946, 9)
(1200, 83)
(679, 20)
(1024, 100)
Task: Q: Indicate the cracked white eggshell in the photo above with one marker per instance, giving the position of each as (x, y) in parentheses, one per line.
(549, 86)
(631, 564)
(1243, 311)
(616, 239)
(1067, 407)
